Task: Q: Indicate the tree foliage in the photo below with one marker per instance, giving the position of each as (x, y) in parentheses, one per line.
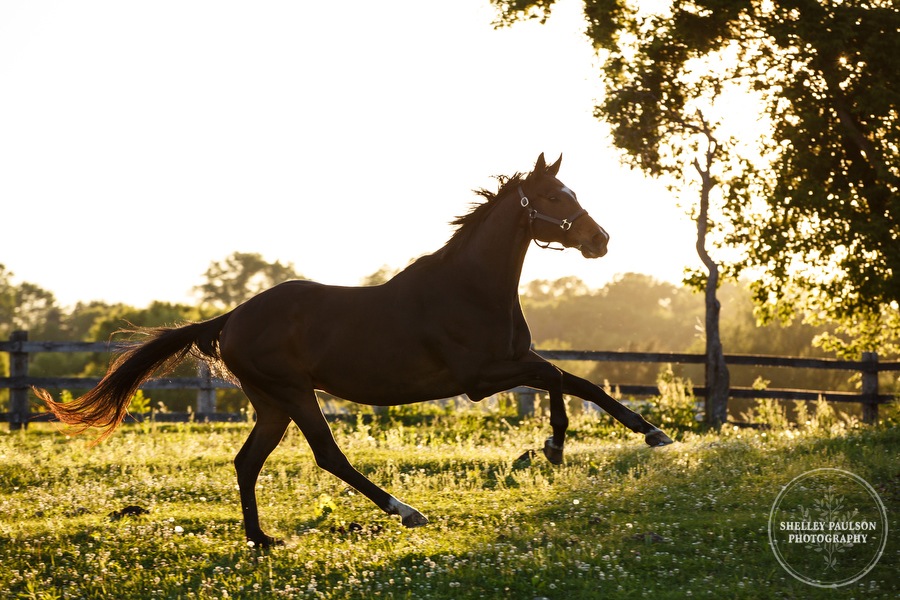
(7, 301)
(241, 276)
(636, 313)
(813, 204)
(25, 306)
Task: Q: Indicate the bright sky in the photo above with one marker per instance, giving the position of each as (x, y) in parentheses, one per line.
(140, 141)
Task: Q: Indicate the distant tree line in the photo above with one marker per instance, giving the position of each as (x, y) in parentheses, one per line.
(638, 313)
(634, 313)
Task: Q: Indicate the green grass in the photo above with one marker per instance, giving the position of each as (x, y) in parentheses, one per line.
(618, 520)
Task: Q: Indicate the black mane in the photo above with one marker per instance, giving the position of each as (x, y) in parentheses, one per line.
(468, 222)
(480, 210)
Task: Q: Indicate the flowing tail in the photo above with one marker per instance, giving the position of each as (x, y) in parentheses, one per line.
(106, 405)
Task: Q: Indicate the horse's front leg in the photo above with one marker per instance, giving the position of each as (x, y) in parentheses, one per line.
(576, 386)
(537, 373)
(559, 423)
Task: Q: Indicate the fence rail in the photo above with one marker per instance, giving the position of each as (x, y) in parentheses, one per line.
(19, 382)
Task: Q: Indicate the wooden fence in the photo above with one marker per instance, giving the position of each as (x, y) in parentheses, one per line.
(19, 382)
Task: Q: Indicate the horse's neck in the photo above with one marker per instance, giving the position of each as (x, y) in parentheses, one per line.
(495, 251)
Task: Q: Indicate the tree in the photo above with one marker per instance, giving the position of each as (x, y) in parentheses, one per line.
(26, 306)
(831, 220)
(241, 276)
(815, 207)
(7, 302)
(718, 379)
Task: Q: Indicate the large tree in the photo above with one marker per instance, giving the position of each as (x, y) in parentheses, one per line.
(815, 206)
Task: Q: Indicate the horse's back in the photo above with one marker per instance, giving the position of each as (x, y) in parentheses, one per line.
(291, 314)
(366, 344)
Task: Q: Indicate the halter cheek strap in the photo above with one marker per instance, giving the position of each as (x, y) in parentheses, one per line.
(533, 214)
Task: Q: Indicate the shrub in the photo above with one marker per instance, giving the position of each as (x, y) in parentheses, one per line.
(676, 405)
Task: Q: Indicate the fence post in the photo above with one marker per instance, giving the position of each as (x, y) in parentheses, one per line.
(526, 401)
(206, 393)
(18, 393)
(870, 387)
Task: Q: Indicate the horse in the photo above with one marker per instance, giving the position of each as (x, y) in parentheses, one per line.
(449, 324)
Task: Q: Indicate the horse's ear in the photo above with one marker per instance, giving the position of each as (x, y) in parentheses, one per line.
(554, 168)
(540, 166)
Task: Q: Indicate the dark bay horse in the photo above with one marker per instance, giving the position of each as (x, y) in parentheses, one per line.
(449, 324)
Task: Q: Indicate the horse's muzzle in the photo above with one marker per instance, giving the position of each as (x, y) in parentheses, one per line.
(596, 247)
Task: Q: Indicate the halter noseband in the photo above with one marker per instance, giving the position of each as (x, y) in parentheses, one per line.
(564, 224)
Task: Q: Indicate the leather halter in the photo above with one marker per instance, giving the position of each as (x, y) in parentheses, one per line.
(533, 214)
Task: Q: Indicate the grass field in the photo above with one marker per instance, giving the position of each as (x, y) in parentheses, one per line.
(618, 520)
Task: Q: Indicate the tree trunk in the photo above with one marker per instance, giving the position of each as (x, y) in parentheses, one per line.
(717, 376)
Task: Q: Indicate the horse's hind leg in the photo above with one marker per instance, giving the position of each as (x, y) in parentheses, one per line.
(268, 431)
(583, 388)
(304, 409)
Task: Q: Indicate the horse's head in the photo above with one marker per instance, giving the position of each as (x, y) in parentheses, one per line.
(555, 215)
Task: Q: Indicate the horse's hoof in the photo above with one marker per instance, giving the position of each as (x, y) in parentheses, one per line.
(414, 519)
(656, 438)
(553, 453)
